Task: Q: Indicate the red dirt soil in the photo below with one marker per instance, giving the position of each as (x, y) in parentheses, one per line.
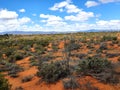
(98, 84)
(32, 50)
(35, 83)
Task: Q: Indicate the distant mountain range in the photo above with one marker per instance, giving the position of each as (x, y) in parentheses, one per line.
(27, 32)
(53, 32)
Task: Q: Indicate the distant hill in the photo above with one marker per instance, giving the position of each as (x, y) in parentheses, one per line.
(27, 32)
(53, 32)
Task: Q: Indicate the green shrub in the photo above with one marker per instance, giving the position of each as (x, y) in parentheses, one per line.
(8, 51)
(13, 69)
(27, 78)
(99, 68)
(93, 65)
(19, 56)
(19, 88)
(52, 72)
(70, 83)
(109, 38)
(111, 55)
(88, 86)
(4, 85)
(103, 46)
(55, 47)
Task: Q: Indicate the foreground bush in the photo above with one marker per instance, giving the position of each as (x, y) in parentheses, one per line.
(70, 83)
(93, 65)
(27, 78)
(52, 72)
(99, 68)
(4, 85)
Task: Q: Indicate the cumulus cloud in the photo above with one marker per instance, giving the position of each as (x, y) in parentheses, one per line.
(65, 6)
(59, 6)
(70, 8)
(35, 27)
(51, 17)
(22, 10)
(9, 20)
(109, 1)
(52, 20)
(96, 3)
(111, 24)
(24, 20)
(91, 4)
(81, 16)
(6, 15)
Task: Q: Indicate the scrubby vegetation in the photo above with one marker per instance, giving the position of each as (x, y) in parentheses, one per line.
(99, 68)
(62, 57)
(53, 72)
(4, 85)
(70, 83)
(27, 78)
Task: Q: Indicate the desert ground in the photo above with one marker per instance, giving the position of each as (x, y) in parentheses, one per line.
(77, 61)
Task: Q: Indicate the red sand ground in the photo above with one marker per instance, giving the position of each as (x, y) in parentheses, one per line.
(35, 83)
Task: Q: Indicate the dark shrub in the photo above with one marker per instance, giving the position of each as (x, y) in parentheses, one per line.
(70, 83)
(109, 38)
(99, 68)
(19, 88)
(13, 69)
(27, 78)
(93, 65)
(55, 47)
(52, 72)
(98, 51)
(103, 46)
(8, 51)
(4, 85)
(72, 46)
(81, 56)
(88, 86)
(111, 55)
(19, 56)
(97, 55)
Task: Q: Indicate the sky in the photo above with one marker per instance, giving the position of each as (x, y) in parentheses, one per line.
(59, 15)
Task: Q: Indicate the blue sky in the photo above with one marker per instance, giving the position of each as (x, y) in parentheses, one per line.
(59, 15)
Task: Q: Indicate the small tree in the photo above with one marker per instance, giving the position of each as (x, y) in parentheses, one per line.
(69, 46)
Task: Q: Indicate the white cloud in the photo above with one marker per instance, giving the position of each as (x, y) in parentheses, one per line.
(51, 17)
(58, 6)
(52, 20)
(22, 10)
(34, 27)
(72, 9)
(111, 24)
(9, 20)
(81, 16)
(99, 25)
(24, 20)
(69, 7)
(109, 1)
(65, 6)
(5, 14)
(96, 3)
(91, 4)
